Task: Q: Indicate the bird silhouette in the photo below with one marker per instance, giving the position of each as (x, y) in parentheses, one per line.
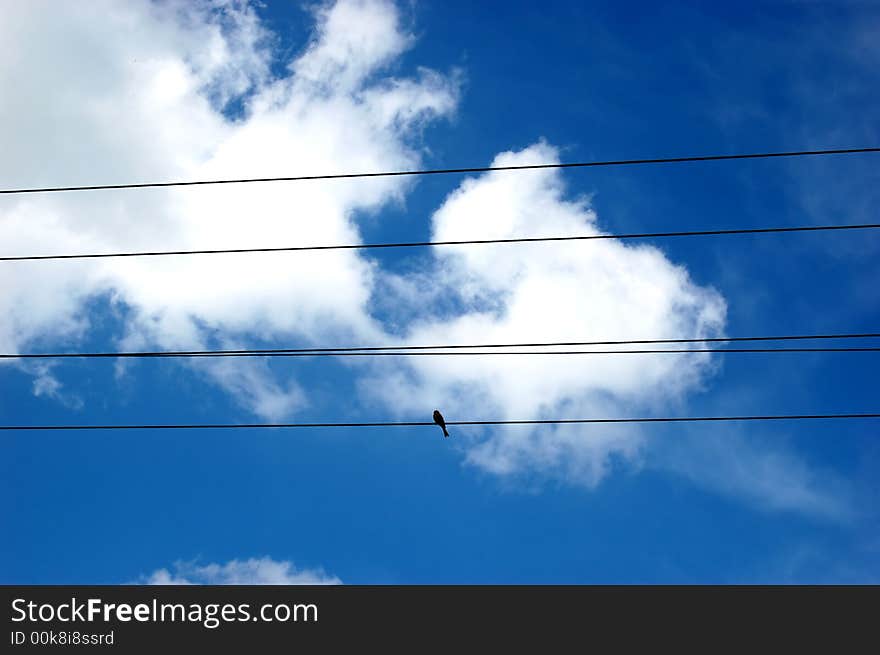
(439, 420)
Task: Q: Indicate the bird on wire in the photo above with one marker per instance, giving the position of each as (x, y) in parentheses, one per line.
(439, 420)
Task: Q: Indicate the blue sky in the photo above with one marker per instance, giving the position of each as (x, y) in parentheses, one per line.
(185, 91)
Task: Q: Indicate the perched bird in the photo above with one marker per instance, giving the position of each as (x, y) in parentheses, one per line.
(438, 419)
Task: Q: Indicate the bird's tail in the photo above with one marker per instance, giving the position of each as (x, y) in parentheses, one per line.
(445, 432)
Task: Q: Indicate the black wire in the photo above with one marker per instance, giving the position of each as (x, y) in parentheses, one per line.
(445, 171)
(401, 350)
(467, 242)
(453, 354)
(392, 424)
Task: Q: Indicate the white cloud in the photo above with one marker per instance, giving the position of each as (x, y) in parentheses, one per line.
(253, 571)
(548, 292)
(754, 467)
(136, 91)
(46, 384)
(351, 40)
(594, 291)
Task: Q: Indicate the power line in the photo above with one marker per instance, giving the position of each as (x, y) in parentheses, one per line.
(422, 353)
(400, 424)
(404, 349)
(446, 171)
(465, 242)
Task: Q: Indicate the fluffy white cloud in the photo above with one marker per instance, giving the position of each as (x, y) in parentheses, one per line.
(136, 91)
(578, 291)
(253, 571)
(564, 292)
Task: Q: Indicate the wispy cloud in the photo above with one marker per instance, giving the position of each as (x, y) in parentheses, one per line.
(253, 571)
(46, 384)
(759, 471)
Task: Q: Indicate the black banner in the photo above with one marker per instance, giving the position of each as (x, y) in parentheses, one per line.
(415, 618)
